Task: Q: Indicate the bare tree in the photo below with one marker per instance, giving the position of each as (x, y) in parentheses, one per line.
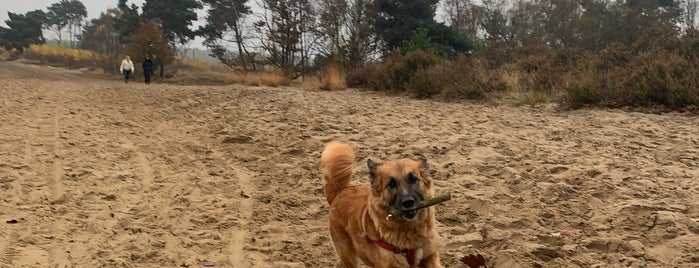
(284, 30)
(690, 13)
(465, 16)
(496, 22)
(361, 40)
(333, 17)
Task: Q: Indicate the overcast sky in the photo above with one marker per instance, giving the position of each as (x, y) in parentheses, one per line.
(94, 7)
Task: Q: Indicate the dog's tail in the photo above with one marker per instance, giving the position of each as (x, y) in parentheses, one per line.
(336, 168)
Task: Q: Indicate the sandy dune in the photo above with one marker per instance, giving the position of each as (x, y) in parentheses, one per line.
(97, 173)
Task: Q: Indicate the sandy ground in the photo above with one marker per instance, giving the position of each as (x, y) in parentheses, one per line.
(98, 173)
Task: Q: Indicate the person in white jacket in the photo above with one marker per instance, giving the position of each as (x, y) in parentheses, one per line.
(126, 68)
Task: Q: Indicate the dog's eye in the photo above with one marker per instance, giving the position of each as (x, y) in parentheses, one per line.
(412, 179)
(392, 184)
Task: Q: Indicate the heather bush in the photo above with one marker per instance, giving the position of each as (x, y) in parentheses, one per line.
(463, 78)
(361, 75)
(690, 44)
(614, 56)
(663, 78)
(428, 82)
(657, 38)
(588, 90)
(617, 78)
(549, 73)
(398, 70)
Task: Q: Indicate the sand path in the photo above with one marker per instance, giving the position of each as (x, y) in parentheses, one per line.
(98, 173)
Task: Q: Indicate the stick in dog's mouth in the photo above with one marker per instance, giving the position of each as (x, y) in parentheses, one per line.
(423, 204)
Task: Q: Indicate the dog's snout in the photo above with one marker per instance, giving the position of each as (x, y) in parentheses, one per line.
(408, 203)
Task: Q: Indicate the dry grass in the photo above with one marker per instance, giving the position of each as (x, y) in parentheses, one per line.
(64, 56)
(201, 65)
(273, 79)
(309, 83)
(512, 78)
(4, 54)
(333, 78)
(225, 78)
(518, 90)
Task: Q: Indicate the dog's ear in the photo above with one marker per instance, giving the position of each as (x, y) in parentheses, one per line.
(424, 171)
(423, 160)
(372, 170)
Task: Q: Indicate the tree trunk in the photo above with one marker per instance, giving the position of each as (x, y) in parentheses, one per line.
(162, 70)
(239, 41)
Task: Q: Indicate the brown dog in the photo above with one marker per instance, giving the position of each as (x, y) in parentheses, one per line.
(358, 214)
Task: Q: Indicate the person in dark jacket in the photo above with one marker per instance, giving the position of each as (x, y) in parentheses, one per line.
(147, 68)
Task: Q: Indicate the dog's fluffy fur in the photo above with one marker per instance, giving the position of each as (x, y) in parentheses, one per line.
(358, 213)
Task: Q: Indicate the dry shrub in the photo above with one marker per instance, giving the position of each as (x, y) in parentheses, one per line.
(588, 90)
(690, 44)
(398, 69)
(426, 83)
(273, 79)
(333, 78)
(4, 54)
(657, 37)
(500, 53)
(595, 82)
(613, 56)
(359, 76)
(519, 90)
(511, 77)
(646, 79)
(424, 75)
(463, 78)
(663, 78)
(310, 83)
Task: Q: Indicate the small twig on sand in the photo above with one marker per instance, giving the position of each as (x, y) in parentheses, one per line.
(423, 204)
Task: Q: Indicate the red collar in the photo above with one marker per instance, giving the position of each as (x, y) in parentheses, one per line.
(408, 253)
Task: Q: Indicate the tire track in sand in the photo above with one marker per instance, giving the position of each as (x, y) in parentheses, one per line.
(241, 235)
(59, 257)
(8, 232)
(143, 162)
(37, 213)
(9, 253)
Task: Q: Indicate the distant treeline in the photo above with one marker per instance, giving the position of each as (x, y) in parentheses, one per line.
(587, 52)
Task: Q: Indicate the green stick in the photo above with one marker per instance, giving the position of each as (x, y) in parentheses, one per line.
(423, 204)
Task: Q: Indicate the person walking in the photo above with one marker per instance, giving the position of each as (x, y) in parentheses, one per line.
(126, 68)
(147, 68)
